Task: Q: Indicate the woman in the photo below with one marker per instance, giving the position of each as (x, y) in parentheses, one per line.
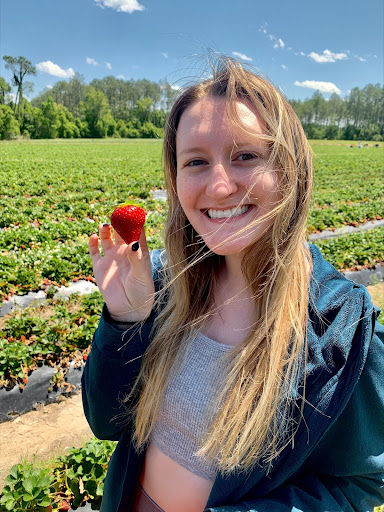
(238, 369)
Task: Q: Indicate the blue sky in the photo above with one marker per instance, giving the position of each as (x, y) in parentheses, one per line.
(301, 45)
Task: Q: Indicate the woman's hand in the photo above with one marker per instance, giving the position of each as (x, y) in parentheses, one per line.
(124, 276)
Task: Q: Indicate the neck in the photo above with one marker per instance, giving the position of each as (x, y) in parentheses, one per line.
(231, 278)
(232, 270)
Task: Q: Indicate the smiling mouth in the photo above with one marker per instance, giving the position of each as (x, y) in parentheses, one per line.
(226, 214)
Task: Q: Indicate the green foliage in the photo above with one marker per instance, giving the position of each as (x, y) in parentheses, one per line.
(27, 339)
(359, 115)
(76, 477)
(83, 471)
(97, 114)
(20, 67)
(354, 251)
(27, 488)
(4, 89)
(9, 126)
(48, 123)
(348, 187)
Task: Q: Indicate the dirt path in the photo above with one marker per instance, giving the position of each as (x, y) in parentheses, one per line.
(43, 433)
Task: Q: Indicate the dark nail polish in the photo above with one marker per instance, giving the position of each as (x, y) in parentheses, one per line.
(105, 225)
(135, 246)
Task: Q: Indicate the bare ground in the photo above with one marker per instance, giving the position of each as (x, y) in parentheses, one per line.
(42, 433)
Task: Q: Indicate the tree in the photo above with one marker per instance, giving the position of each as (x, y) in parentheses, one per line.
(50, 123)
(142, 110)
(20, 66)
(4, 88)
(67, 128)
(97, 114)
(9, 127)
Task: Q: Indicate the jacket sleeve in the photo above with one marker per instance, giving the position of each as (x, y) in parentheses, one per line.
(345, 472)
(110, 370)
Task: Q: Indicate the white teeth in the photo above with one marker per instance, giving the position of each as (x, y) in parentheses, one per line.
(221, 214)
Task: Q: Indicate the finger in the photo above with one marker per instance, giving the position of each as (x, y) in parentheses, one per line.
(138, 256)
(93, 246)
(118, 239)
(105, 237)
(143, 242)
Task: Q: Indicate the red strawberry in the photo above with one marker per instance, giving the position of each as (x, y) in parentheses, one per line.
(63, 507)
(128, 220)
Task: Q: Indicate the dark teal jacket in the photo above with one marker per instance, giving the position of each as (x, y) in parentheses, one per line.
(337, 462)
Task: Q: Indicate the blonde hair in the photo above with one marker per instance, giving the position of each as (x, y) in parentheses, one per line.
(258, 415)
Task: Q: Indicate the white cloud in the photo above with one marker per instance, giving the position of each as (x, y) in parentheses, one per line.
(165, 55)
(327, 56)
(302, 53)
(49, 86)
(53, 69)
(283, 66)
(326, 87)
(91, 61)
(108, 65)
(279, 44)
(121, 5)
(242, 56)
(121, 77)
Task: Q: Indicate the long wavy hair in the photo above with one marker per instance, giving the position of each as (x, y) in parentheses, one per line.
(259, 407)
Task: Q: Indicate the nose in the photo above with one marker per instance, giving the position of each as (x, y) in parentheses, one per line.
(221, 183)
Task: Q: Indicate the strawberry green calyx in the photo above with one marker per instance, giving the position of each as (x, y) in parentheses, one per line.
(128, 203)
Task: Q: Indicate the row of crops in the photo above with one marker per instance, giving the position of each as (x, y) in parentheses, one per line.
(54, 194)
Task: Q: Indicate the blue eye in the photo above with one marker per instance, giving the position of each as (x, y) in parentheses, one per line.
(246, 156)
(194, 163)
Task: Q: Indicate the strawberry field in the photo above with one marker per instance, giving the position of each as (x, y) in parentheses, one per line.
(54, 194)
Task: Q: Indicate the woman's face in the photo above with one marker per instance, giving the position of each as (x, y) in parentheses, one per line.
(224, 181)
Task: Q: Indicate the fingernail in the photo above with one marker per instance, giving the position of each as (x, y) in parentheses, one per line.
(135, 246)
(105, 225)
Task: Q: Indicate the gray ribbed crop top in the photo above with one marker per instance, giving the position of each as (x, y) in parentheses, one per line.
(190, 404)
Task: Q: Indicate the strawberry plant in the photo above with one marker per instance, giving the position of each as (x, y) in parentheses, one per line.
(27, 340)
(83, 470)
(27, 488)
(69, 480)
(354, 251)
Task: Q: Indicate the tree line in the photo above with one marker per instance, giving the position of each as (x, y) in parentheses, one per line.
(112, 107)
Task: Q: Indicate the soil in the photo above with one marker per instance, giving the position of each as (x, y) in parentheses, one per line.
(43, 433)
(377, 294)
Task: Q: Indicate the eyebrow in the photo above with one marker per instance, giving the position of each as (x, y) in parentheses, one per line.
(235, 145)
(195, 149)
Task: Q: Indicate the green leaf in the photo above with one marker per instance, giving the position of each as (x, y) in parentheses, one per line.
(10, 504)
(27, 497)
(28, 485)
(45, 502)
